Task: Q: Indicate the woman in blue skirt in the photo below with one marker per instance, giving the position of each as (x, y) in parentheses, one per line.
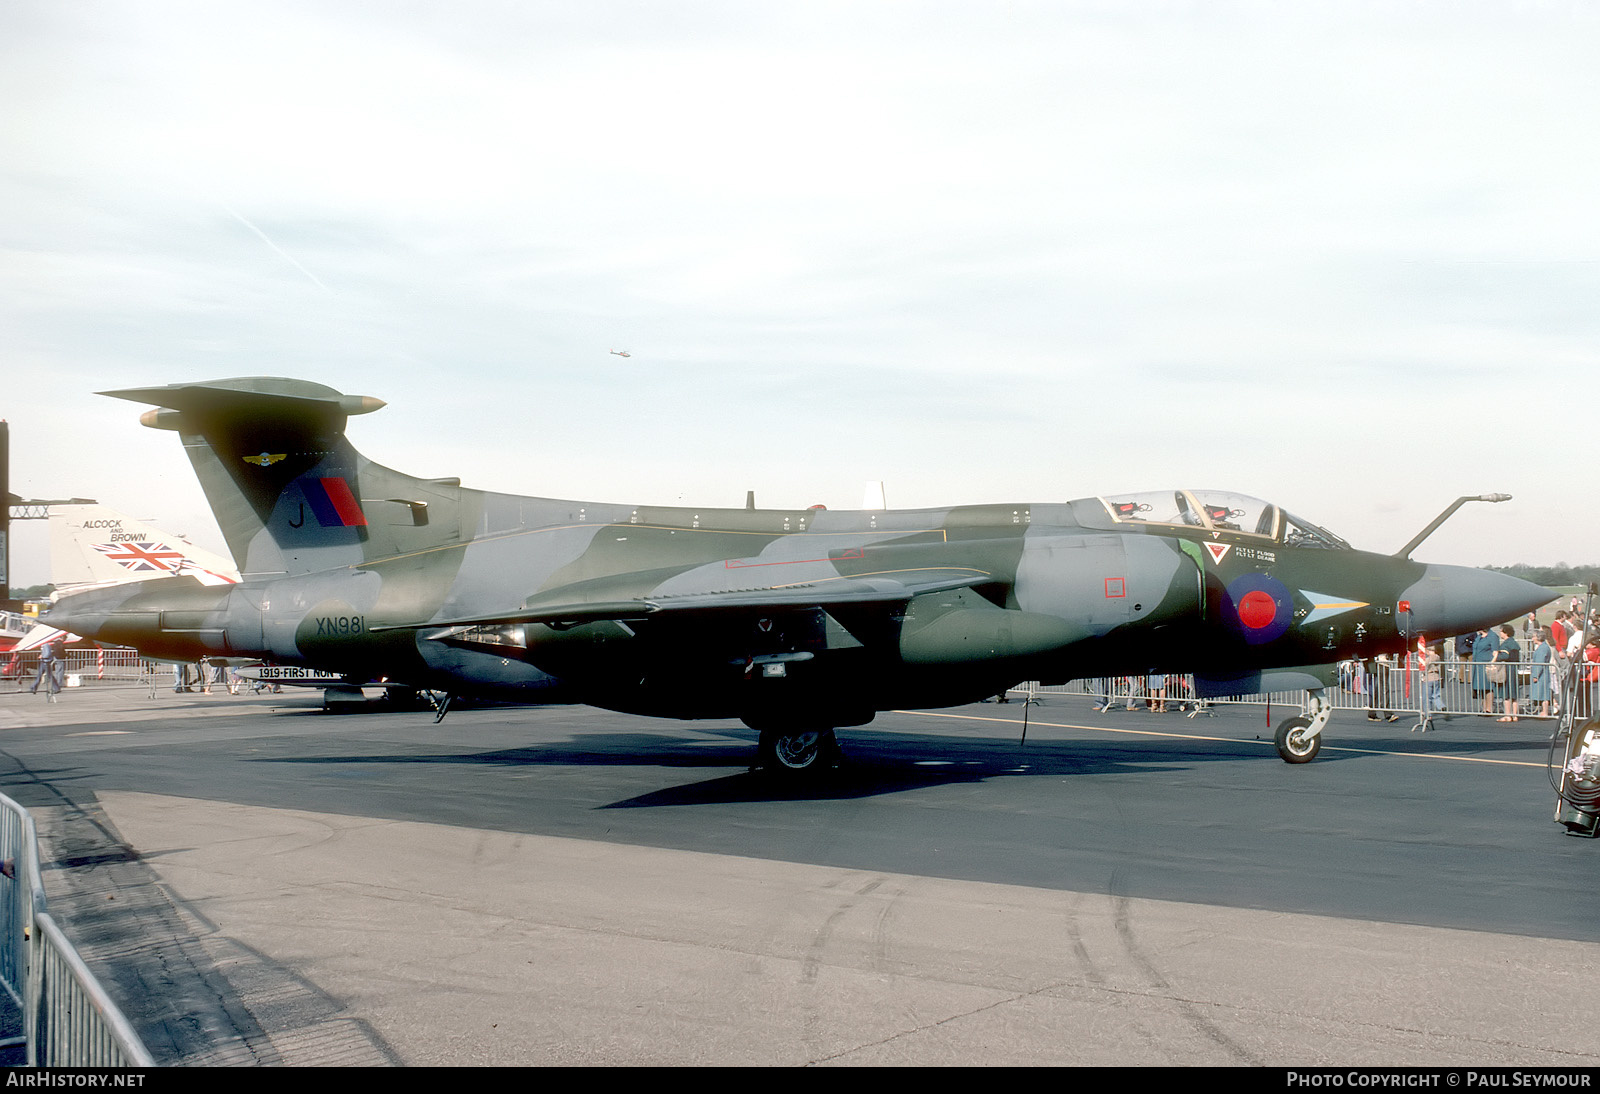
(1540, 662)
(1507, 658)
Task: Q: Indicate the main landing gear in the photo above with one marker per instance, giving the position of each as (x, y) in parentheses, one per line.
(1299, 739)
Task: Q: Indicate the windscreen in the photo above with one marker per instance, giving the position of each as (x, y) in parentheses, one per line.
(1220, 511)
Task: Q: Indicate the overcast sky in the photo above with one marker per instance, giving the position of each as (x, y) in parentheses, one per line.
(1342, 256)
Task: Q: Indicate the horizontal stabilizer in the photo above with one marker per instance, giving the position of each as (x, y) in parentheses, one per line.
(211, 395)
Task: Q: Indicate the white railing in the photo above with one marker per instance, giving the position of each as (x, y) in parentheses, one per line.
(1380, 687)
(68, 1019)
(85, 668)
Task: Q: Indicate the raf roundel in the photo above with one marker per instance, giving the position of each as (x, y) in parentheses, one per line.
(1259, 607)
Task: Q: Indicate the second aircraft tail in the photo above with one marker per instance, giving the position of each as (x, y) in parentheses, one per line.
(93, 544)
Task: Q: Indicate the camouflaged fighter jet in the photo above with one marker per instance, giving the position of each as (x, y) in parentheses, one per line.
(798, 622)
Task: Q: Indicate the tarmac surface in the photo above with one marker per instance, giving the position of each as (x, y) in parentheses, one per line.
(258, 882)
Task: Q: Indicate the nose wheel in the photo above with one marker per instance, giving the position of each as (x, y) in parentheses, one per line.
(1299, 739)
(1296, 743)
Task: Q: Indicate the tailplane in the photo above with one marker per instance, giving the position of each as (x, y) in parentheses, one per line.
(289, 491)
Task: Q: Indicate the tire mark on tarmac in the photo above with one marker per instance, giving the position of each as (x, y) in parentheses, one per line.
(1122, 918)
(1080, 949)
(819, 941)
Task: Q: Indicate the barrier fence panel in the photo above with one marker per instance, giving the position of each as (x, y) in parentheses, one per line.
(17, 844)
(1382, 688)
(68, 1019)
(75, 1023)
(86, 668)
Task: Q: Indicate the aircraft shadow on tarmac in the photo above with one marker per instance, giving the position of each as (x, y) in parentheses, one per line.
(1450, 734)
(873, 763)
(877, 764)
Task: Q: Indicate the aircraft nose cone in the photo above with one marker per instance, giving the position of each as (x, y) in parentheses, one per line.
(1451, 600)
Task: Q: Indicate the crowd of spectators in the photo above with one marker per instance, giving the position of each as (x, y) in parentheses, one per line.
(1533, 675)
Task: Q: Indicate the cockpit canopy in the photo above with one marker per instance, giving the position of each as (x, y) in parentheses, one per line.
(1220, 511)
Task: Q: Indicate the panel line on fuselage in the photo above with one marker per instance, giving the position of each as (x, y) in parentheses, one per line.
(495, 537)
(882, 573)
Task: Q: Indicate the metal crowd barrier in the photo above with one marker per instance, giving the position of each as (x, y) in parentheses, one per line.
(87, 668)
(68, 1019)
(1379, 686)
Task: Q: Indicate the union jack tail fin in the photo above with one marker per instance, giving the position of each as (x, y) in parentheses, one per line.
(96, 545)
(290, 492)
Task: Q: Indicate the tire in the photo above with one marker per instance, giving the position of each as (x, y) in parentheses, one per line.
(1294, 746)
(798, 753)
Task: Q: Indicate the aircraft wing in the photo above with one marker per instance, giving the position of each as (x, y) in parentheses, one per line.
(559, 607)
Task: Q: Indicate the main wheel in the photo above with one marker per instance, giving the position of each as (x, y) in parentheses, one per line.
(802, 752)
(1295, 745)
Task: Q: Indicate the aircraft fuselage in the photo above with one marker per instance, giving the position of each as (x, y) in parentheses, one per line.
(776, 617)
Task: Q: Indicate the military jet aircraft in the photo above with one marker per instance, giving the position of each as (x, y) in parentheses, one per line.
(799, 622)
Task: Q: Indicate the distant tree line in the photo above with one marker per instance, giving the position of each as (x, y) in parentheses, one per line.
(32, 592)
(1559, 574)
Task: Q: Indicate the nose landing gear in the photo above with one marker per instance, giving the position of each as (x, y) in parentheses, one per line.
(1299, 739)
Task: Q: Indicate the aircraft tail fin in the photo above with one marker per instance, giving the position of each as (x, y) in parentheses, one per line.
(97, 545)
(289, 491)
